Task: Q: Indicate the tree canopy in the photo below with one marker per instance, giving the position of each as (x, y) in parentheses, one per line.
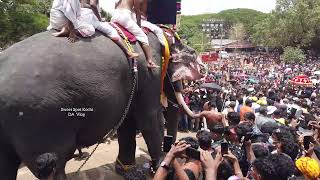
(293, 23)
(293, 55)
(22, 18)
(190, 28)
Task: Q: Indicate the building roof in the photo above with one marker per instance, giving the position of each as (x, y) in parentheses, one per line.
(231, 44)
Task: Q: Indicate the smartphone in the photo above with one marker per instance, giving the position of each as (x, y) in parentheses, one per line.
(193, 153)
(167, 142)
(224, 148)
(306, 142)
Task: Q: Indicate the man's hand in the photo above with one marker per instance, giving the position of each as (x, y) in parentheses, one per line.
(208, 163)
(314, 124)
(177, 150)
(231, 157)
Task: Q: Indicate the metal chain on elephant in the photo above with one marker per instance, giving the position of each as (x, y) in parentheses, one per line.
(124, 115)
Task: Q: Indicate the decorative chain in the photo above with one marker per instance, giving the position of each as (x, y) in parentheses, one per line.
(114, 130)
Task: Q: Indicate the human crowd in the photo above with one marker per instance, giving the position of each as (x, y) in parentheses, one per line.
(262, 129)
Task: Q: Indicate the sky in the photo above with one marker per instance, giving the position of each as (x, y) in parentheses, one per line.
(193, 7)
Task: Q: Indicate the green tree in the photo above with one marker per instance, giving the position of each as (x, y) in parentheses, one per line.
(20, 19)
(293, 55)
(191, 29)
(293, 23)
(238, 32)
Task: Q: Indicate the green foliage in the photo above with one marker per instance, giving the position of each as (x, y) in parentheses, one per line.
(22, 18)
(106, 15)
(293, 23)
(293, 55)
(238, 32)
(191, 30)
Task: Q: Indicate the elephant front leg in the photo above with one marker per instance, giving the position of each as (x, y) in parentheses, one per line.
(154, 138)
(127, 146)
(172, 116)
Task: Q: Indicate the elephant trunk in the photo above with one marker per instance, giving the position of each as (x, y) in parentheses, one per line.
(182, 103)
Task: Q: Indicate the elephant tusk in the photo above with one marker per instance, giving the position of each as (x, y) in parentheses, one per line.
(183, 104)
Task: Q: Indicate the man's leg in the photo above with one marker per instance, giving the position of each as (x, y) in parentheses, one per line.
(155, 29)
(132, 27)
(63, 32)
(147, 51)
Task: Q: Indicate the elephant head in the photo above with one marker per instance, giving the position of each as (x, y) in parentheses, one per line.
(185, 65)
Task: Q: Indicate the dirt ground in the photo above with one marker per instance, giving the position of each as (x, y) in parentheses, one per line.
(101, 165)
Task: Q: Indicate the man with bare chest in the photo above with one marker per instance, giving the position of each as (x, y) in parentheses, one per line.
(210, 114)
(123, 16)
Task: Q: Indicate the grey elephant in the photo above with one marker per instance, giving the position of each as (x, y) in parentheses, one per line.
(56, 97)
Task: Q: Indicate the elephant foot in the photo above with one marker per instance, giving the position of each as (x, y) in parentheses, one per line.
(122, 169)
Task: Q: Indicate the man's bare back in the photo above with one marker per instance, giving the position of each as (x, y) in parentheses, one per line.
(212, 116)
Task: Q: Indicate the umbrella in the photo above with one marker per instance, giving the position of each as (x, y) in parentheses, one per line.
(212, 86)
(253, 81)
(317, 72)
(301, 80)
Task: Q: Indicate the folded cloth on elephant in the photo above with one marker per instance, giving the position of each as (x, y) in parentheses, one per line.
(123, 32)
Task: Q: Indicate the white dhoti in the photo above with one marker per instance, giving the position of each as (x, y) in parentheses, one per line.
(155, 29)
(123, 17)
(64, 10)
(89, 17)
(152, 27)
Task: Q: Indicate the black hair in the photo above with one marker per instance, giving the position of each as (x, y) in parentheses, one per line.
(233, 118)
(260, 151)
(204, 139)
(45, 165)
(243, 128)
(263, 110)
(193, 142)
(240, 100)
(250, 116)
(265, 168)
(249, 102)
(289, 147)
(212, 104)
(225, 170)
(283, 165)
(269, 127)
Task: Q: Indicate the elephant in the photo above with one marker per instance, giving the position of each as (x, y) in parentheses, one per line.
(57, 96)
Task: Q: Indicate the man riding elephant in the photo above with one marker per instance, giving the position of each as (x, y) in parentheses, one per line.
(57, 96)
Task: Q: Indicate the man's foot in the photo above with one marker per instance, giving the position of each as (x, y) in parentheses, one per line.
(132, 55)
(152, 65)
(64, 32)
